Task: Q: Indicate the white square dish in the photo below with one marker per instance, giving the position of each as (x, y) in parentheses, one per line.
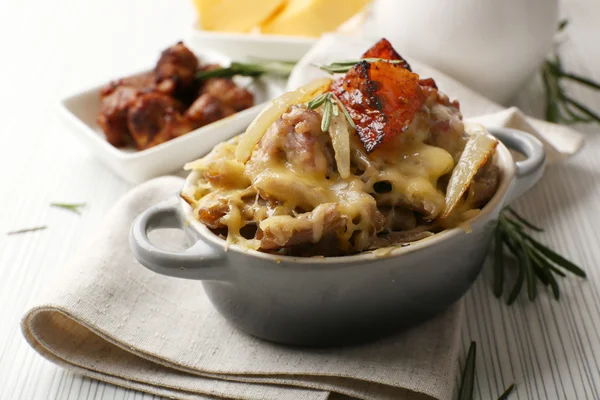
(246, 46)
(80, 111)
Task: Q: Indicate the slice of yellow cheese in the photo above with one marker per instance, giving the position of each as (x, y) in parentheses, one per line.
(234, 15)
(312, 17)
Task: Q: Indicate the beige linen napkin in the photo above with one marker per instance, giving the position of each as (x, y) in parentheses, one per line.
(107, 317)
(559, 141)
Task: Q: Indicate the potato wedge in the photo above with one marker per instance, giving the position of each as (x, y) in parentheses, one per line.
(478, 150)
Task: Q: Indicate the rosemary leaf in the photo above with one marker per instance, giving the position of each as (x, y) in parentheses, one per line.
(517, 287)
(336, 109)
(555, 257)
(554, 286)
(529, 271)
(73, 207)
(521, 275)
(340, 67)
(256, 69)
(540, 272)
(468, 376)
(228, 72)
(523, 220)
(541, 259)
(556, 270)
(345, 111)
(326, 121)
(317, 101)
(575, 116)
(580, 79)
(582, 108)
(498, 263)
(507, 392)
(26, 230)
(552, 111)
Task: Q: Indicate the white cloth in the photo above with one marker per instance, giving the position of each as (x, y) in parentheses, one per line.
(560, 141)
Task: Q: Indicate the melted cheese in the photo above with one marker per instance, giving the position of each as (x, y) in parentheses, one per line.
(292, 189)
(414, 176)
(271, 192)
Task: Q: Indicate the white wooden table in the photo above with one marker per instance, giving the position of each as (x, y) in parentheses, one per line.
(52, 48)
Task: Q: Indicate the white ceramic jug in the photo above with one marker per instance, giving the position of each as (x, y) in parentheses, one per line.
(493, 46)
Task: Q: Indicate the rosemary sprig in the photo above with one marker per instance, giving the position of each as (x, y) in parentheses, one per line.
(507, 392)
(26, 230)
(255, 70)
(331, 104)
(468, 376)
(467, 384)
(73, 207)
(535, 261)
(560, 107)
(341, 67)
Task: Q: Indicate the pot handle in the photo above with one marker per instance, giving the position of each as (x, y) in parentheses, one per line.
(528, 171)
(200, 261)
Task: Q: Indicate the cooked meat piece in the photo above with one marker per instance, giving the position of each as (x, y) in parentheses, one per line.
(428, 82)
(144, 82)
(155, 118)
(113, 114)
(446, 125)
(384, 49)
(399, 237)
(295, 138)
(117, 97)
(207, 109)
(398, 218)
(433, 95)
(211, 208)
(484, 184)
(229, 93)
(177, 66)
(329, 246)
(286, 231)
(382, 98)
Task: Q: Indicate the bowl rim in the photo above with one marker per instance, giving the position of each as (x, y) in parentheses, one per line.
(252, 37)
(503, 159)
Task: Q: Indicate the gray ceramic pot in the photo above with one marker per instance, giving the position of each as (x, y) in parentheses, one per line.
(323, 301)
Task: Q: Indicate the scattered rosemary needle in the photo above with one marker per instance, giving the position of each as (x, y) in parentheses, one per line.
(468, 376)
(255, 70)
(26, 230)
(535, 261)
(507, 392)
(467, 384)
(73, 207)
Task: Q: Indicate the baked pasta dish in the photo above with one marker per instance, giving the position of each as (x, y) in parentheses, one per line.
(373, 157)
